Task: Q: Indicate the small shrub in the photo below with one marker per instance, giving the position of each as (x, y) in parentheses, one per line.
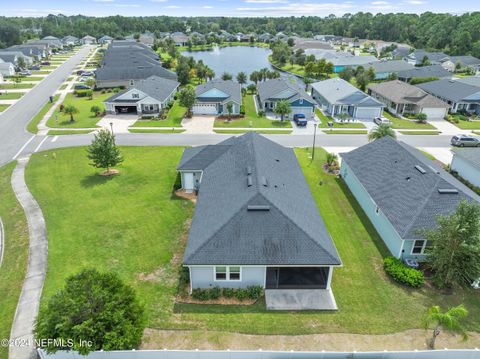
(184, 276)
(215, 293)
(241, 294)
(403, 274)
(254, 292)
(261, 113)
(200, 294)
(228, 292)
(242, 109)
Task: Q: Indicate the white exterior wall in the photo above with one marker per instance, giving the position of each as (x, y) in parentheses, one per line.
(466, 170)
(190, 180)
(204, 277)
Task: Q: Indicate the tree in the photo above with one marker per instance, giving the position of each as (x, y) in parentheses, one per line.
(422, 117)
(186, 98)
(282, 108)
(255, 76)
(90, 82)
(346, 74)
(70, 110)
(381, 131)
(95, 110)
(425, 61)
(252, 88)
(242, 78)
(331, 158)
(449, 321)
(229, 109)
(226, 76)
(21, 62)
(290, 42)
(95, 307)
(103, 151)
(183, 71)
(455, 254)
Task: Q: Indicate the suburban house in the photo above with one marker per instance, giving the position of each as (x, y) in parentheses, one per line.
(341, 59)
(147, 38)
(466, 162)
(402, 192)
(417, 57)
(213, 97)
(256, 223)
(70, 40)
(33, 51)
(6, 68)
(337, 96)
(423, 72)
(147, 98)
(272, 91)
(462, 62)
(14, 57)
(88, 40)
(401, 98)
(105, 40)
(383, 69)
(460, 96)
(471, 80)
(53, 42)
(179, 38)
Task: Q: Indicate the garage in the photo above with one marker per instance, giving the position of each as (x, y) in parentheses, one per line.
(368, 113)
(126, 109)
(435, 113)
(307, 111)
(205, 109)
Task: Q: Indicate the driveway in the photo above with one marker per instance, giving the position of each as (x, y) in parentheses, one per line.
(120, 123)
(199, 124)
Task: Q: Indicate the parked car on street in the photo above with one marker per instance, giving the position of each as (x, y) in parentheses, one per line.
(382, 120)
(465, 141)
(25, 72)
(81, 87)
(300, 119)
(35, 67)
(45, 63)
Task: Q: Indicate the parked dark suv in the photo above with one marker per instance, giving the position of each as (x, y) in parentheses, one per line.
(465, 141)
(300, 120)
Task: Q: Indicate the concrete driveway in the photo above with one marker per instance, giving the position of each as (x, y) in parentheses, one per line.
(120, 123)
(199, 124)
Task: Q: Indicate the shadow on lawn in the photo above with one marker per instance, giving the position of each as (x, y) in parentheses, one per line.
(95, 180)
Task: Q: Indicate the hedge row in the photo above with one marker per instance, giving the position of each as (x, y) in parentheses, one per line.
(252, 292)
(403, 274)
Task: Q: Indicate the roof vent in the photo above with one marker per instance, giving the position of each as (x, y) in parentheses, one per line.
(420, 169)
(263, 181)
(249, 181)
(249, 170)
(407, 178)
(253, 207)
(447, 191)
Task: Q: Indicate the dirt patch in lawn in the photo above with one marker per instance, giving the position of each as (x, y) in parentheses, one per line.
(205, 340)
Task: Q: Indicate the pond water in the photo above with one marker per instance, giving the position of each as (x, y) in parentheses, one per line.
(234, 59)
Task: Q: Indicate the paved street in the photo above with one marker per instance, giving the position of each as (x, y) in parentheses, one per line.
(13, 121)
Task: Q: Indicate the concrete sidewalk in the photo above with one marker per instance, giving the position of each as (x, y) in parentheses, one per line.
(29, 302)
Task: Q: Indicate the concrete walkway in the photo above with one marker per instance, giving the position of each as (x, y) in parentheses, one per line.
(300, 299)
(29, 302)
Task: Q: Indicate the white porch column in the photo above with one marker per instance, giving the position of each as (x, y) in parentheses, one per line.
(329, 280)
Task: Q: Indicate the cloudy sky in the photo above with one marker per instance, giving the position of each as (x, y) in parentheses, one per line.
(228, 7)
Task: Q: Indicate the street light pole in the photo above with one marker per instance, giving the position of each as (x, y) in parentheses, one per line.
(111, 127)
(314, 137)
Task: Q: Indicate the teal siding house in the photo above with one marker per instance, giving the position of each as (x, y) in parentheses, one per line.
(402, 192)
(466, 162)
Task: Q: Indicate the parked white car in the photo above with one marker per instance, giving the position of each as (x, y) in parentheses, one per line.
(382, 120)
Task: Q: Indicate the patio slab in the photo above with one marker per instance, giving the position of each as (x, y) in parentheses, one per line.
(300, 299)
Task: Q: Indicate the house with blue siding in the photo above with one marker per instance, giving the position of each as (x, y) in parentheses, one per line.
(256, 223)
(402, 192)
(386, 68)
(466, 163)
(213, 97)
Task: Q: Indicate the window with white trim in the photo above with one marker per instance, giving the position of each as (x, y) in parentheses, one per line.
(135, 95)
(227, 273)
(420, 246)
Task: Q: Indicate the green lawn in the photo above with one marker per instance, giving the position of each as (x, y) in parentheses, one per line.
(41, 72)
(467, 125)
(32, 78)
(270, 132)
(11, 95)
(16, 86)
(153, 130)
(84, 118)
(325, 119)
(3, 107)
(419, 132)
(399, 123)
(133, 225)
(32, 125)
(63, 87)
(476, 132)
(14, 264)
(67, 132)
(174, 118)
(251, 118)
(345, 132)
(49, 67)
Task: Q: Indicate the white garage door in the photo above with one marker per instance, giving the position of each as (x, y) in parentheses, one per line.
(307, 111)
(367, 113)
(434, 113)
(205, 109)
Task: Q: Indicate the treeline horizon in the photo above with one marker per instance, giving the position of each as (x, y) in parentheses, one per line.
(454, 34)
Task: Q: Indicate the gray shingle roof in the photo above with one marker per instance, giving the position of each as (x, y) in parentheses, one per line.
(471, 80)
(229, 87)
(338, 91)
(224, 231)
(432, 56)
(452, 90)
(465, 60)
(391, 66)
(409, 199)
(425, 71)
(156, 87)
(281, 89)
(470, 155)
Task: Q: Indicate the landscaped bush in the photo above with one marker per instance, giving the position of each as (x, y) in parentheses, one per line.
(252, 292)
(200, 294)
(403, 274)
(228, 292)
(241, 294)
(242, 109)
(215, 293)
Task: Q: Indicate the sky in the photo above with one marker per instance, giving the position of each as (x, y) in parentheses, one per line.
(229, 7)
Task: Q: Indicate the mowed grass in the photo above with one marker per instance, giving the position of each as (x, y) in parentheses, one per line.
(32, 126)
(3, 107)
(400, 123)
(15, 255)
(67, 132)
(325, 119)
(270, 132)
(153, 130)
(345, 132)
(11, 95)
(84, 118)
(16, 86)
(419, 132)
(251, 118)
(130, 223)
(174, 118)
(468, 125)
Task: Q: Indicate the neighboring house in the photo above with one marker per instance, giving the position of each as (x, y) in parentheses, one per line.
(401, 98)
(88, 40)
(416, 57)
(383, 69)
(213, 97)
(53, 42)
(265, 37)
(7, 69)
(70, 40)
(147, 98)
(34, 52)
(466, 162)
(434, 71)
(14, 56)
(471, 80)
(105, 40)
(147, 38)
(179, 38)
(460, 96)
(402, 192)
(401, 52)
(337, 96)
(256, 222)
(272, 91)
(463, 62)
(341, 59)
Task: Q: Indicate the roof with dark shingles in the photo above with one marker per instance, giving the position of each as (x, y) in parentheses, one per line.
(409, 199)
(281, 88)
(158, 88)
(452, 90)
(224, 231)
(229, 87)
(425, 71)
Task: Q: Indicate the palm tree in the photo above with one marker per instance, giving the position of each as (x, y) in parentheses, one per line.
(331, 158)
(450, 321)
(226, 76)
(70, 110)
(242, 78)
(282, 108)
(381, 131)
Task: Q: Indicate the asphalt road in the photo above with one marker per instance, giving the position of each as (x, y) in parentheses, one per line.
(13, 135)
